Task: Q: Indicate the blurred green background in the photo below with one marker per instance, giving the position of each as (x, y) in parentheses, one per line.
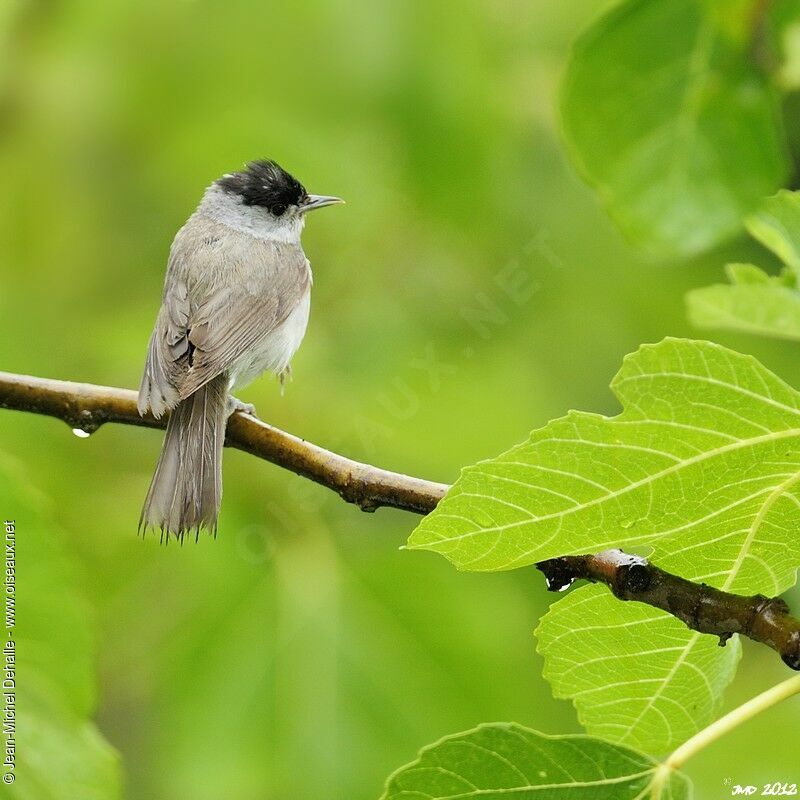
(301, 654)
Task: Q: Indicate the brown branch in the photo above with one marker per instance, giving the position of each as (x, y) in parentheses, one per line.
(86, 407)
(702, 608)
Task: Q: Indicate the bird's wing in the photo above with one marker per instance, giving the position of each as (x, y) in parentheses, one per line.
(224, 291)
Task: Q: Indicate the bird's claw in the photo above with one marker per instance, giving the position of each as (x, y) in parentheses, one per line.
(234, 404)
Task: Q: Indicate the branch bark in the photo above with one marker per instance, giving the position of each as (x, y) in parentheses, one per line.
(702, 608)
(86, 407)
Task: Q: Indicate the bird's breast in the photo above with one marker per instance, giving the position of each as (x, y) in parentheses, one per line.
(274, 351)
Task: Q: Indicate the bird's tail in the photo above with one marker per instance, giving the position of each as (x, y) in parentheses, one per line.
(186, 489)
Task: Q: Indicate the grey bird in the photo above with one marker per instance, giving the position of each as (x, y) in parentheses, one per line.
(235, 304)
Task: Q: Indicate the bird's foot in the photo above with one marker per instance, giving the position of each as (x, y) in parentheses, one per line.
(234, 404)
(284, 376)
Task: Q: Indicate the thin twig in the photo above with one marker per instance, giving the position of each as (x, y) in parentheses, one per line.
(86, 407)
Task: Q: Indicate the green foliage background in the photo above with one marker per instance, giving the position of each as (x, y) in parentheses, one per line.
(300, 654)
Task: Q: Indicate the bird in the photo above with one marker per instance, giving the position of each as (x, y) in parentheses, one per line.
(235, 304)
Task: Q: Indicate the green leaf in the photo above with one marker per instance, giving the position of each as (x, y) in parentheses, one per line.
(776, 224)
(755, 302)
(670, 120)
(786, 21)
(507, 760)
(769, 309)
(746, 274)
(708, 444)
(636, 675)
(702, 466)
(60, 753)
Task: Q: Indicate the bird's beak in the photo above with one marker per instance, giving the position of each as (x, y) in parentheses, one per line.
(319, 201)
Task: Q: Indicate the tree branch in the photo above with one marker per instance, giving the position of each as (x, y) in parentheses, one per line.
(700, 607)
(85, 407)
(766, 620)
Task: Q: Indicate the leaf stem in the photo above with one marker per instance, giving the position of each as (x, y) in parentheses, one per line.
(733, 720)
(722, 726)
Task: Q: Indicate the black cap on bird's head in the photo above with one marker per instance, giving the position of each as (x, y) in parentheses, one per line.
(265, 183)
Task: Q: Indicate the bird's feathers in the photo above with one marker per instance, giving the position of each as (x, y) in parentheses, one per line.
(186, 489)
(225, 292)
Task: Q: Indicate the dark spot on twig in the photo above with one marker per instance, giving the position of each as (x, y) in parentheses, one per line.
(558, 574)
(791, 653)
(635, 578)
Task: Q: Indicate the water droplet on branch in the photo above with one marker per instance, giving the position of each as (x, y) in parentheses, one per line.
(557, 580)
(81, 434)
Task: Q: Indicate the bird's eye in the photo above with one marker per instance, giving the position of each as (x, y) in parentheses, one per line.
(278, 209)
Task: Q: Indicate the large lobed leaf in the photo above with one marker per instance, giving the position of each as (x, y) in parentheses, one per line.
(668, 116)
(702, 466)
(636, 675)
(706, 453)
(504, 761)
(753, 301)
